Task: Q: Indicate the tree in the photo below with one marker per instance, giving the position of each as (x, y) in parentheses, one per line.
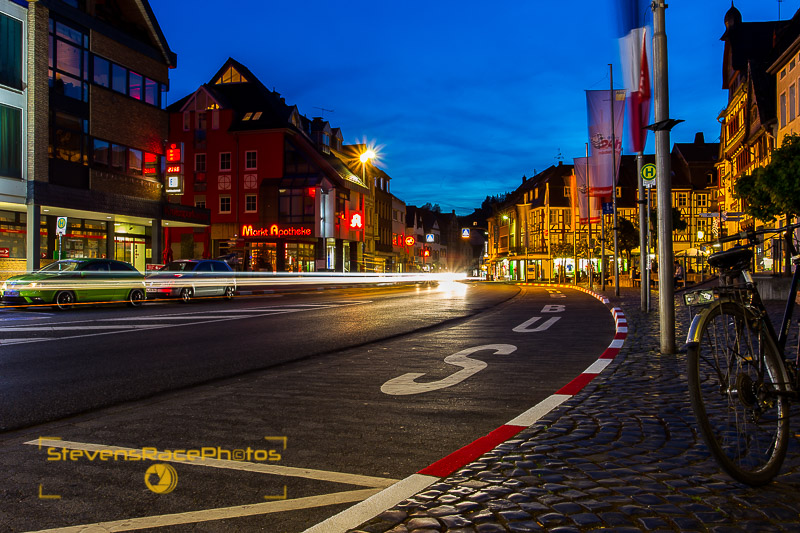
(627, 236)
(678, 224)
(774, 190)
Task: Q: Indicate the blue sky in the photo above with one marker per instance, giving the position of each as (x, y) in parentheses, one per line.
(464, 97)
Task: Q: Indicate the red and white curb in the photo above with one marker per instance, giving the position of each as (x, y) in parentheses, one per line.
(374, 505)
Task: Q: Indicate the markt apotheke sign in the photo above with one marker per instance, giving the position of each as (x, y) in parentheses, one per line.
(275, 231)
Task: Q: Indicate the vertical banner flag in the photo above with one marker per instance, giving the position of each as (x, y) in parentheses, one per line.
(601, 153)
(635, 52)
(580, 199)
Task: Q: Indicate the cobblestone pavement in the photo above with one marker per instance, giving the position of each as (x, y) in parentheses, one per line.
(623, 454)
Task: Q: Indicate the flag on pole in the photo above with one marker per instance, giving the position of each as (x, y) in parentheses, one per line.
(603, 151)
(635, 53)
(580, 200)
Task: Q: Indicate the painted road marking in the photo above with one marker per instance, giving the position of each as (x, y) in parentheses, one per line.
(192, 319)
(222, 513)
(525, 326)
(262, 468)
(407, 384)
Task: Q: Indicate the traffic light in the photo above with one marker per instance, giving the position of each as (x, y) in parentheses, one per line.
(426, 252)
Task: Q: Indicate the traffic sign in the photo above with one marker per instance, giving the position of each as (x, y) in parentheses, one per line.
(608, 208)
(61, 226)
(465, 233)
(648, 175)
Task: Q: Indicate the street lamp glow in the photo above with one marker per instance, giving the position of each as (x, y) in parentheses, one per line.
(700, 235)
(366, 156)
(505, 217)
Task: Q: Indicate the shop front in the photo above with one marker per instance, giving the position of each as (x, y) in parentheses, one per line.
(278, 248)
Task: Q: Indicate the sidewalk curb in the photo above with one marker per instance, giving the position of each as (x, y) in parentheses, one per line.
(389, 497)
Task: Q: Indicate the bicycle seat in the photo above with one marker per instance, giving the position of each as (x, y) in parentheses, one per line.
(737, 258)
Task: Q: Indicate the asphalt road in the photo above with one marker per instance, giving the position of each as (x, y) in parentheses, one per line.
(349, 389)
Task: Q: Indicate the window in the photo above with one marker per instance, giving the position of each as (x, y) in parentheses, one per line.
(783, 73)
(10, 52)
(68, 61)
(250, 203)
(566, 192)
(187, 120)
(100, 151)
(119, 79)
(296, 205)
(224, 204)
(135, 161)
(215, 119)
(257, 115)
(225, 161)
(618, 192)
(10, 141)
(200, 201)
(792, 102)
(101, 72)
(783, 110)
(250, 159)
(199, 162)
(69, 139)
(201, 120)
(702, 200)
(150, 91)
(135, 86)
(791, 64)
(117, 157)
(681, 199)
(247, 116)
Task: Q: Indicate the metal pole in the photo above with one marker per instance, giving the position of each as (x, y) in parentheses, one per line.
(664, 181)
(649, 240)
(645, 285)
(602, 250)
(590, 269)
(614, 182)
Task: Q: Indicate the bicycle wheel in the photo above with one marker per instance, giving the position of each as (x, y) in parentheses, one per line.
(735, 381)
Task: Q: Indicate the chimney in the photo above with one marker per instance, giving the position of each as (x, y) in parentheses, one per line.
(524, 179)
(699, 138)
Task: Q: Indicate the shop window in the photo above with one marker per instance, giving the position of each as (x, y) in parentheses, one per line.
(250, 158)
(250, 203)
(10, 52)
(225, 161)
(10, 141)
(224, 204)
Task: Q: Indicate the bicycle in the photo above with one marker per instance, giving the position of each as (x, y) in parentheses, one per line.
(741, 382)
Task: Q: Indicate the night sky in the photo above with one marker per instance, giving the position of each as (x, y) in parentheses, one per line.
(463, 98)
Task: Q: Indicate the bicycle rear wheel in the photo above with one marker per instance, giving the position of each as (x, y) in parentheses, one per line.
(735, 380)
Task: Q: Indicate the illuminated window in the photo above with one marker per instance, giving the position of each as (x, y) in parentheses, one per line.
(257, 115)
(231, 76)
(247, 116)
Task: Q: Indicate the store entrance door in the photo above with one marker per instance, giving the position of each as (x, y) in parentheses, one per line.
(131, 250)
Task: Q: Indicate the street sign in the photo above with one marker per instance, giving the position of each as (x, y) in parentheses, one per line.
(649, 175)
(608, 208)
(708, 215)
(429, 237)
(61, 226)
(465, 233)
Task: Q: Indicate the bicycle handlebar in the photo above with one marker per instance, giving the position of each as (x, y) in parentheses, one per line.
(750, 235)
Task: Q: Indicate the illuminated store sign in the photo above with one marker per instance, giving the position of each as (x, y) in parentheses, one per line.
(275, 231)
(174, 177)
(355, 221)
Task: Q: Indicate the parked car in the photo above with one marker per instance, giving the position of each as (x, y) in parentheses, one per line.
(70, 281)
(191, 278)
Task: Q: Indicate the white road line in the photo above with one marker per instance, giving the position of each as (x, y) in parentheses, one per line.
(262, 468)
(532, 415)
(221, 513)
(168, 317)
(374, 505)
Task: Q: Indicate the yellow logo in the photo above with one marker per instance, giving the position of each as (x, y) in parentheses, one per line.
(161, 478)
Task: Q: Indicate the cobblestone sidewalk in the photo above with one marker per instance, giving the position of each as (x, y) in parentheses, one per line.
(623, 454)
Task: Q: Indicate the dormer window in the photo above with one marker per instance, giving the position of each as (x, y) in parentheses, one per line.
(257, 115)
(231, 76)
(247, 116)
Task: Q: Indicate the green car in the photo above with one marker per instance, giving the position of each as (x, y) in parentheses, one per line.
(74, 281)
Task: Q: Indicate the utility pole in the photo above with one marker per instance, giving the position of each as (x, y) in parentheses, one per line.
(613, 94)
(643, 244)
(662, 126)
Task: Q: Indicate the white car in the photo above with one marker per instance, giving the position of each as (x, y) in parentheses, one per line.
(192, 278)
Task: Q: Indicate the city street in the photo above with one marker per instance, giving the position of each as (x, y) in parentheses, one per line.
(300, 405)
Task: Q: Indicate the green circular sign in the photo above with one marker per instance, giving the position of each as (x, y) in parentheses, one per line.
(649, 172)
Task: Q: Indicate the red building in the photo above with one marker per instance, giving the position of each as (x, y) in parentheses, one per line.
(279, 188)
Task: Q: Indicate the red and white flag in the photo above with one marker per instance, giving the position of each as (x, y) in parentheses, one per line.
(585, 208)
(604, 152)
(635, 53)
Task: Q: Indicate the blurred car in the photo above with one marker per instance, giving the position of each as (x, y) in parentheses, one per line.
(70, 281)
(192, 278)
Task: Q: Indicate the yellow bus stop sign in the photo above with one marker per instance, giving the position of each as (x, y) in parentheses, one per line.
(648, 175)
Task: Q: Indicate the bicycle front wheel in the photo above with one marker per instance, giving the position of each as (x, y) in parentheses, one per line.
(736, 381)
